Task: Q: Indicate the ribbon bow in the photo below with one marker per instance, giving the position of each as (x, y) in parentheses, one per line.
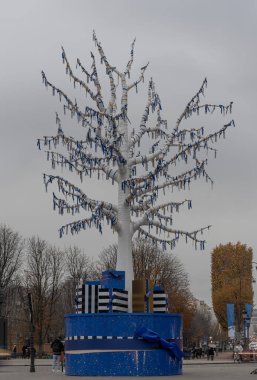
(151, 336)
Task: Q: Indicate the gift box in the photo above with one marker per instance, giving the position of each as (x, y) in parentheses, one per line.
(160, 300)
(112, 300)
(86, 300)
(113, 279)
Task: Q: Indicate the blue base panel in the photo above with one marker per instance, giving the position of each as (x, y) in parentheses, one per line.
(108, 344)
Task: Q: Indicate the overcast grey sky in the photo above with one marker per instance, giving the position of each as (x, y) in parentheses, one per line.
(184, 42)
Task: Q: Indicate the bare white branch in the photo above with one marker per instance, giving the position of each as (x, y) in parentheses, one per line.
(172, 242)
(95, 97)
(130, 62)
(104, 60)
(201, 142)
(140, 79)
(69, 190)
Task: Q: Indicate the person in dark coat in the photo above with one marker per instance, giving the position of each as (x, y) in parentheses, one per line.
(14, 351)
(211, 353)
(57, 348)
(23, 351)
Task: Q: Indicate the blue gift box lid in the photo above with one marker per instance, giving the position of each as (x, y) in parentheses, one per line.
(158, 288)
(113, 275)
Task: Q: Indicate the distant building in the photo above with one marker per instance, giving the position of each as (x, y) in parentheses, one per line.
(205, 309)
(253, 325)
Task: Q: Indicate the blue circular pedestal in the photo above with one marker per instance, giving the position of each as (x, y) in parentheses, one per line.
(105, 344)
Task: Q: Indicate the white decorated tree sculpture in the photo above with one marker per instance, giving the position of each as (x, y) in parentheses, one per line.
(111, 145)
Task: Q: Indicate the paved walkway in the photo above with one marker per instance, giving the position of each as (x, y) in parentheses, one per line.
(221, 368)
(222, 358)
(196, 371)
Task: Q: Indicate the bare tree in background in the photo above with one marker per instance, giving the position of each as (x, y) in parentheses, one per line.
(157, 265)
(107, 258)
(78, 264)
(202, 325)
(149, 262)
(78, 267)
(45, 269)
(11, 250)
(165, 269)
(114, 149)
(18, 315)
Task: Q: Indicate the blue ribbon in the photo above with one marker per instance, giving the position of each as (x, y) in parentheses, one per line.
(113, 274)
(151, 336)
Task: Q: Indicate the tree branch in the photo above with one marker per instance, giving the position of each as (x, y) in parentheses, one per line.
(130, 62)
(70, 190)
(93, 77)
(83, 117)
(109, 70)
(177, 181)
(80, 169)
(95, 97)
(140, 79)
(161, 153)
(104, 60)
(152, 101)
(168, 206)
(98, 209)
(193, 102)
(172, 242)
(151, 212)
(106, 146)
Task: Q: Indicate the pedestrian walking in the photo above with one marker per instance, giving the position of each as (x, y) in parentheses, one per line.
(211, 353)
(14, 351)
(193, 352)
(23, 351)
(237, 351)
(28, 352)
(207, 352)
(57, 348)
(238, 347)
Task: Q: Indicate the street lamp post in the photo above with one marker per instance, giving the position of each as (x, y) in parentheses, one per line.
(3, 321)
(32, 329)
(246, 321)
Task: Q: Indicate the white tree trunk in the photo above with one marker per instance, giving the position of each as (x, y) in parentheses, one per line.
(124, 256)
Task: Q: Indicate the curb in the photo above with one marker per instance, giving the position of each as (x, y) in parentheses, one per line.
(185, 363)
(208, 363)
